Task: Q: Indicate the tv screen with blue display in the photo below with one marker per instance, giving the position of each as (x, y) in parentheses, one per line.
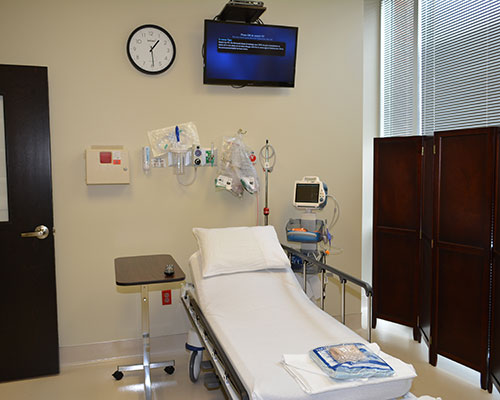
(249, 54)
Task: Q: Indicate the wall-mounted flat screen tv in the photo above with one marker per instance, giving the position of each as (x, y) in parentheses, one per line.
(249, 54)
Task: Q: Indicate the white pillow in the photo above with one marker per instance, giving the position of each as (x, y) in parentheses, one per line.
(240, 249)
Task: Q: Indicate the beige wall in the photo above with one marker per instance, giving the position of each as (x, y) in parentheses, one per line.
(371, 123)
(97, 97)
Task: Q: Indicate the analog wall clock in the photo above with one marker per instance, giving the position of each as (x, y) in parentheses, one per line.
(151, 49)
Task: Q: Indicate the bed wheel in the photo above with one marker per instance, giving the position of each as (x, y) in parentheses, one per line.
(169, 370)
(195, 365)
(118, 375)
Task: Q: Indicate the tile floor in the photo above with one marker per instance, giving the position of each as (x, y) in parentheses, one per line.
(93, 381)
(448, 380)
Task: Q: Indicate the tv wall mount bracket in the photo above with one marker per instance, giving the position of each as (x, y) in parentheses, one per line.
(247, 11)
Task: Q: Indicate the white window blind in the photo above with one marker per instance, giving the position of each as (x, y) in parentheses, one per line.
(456, 61)
(399, 67)
(460, 70)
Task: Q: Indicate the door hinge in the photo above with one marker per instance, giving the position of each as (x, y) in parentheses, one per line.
(420, 234)
(432, 243)
(418, 321)
(422, 150)
(430, 341)
(433, 149)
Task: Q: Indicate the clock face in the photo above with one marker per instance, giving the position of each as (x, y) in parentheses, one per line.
(151, 49)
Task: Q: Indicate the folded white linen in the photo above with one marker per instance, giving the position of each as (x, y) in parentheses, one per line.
(313, 380)
(413, 397)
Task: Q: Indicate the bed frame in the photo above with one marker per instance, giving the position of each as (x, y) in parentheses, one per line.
(228, 378)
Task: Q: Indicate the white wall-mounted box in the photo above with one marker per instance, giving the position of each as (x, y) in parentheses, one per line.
(107, 165)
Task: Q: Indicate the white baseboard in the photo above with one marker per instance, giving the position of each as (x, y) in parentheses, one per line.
(97, 352)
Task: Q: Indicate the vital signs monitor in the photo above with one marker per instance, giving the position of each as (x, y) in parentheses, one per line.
(310, 192)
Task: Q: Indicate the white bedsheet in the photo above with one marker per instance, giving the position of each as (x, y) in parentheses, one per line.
(260, 316)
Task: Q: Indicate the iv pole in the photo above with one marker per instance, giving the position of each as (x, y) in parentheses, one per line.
(267, 159)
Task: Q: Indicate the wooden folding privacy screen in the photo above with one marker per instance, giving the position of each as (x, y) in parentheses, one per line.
(436, 215)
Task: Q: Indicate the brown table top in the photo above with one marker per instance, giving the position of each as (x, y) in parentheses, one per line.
(144, 270)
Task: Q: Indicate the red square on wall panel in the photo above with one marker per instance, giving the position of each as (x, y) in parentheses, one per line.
(166, 297)
(105, 157)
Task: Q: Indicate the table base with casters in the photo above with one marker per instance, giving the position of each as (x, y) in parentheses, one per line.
(146, 270)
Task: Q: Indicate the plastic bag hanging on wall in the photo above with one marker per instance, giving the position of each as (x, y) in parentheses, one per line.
(236, 171)
(176, 138)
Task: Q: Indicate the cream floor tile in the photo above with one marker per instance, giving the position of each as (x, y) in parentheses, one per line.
(94, 382)
(448, 380)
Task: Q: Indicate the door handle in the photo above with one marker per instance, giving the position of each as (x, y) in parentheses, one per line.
(41, 232)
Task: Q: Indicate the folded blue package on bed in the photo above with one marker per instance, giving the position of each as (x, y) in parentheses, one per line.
(350, 361)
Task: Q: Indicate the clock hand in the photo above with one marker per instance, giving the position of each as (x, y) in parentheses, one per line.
(152, 47)
(151, 51)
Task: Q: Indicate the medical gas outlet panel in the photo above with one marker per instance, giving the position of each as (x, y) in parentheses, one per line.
(198, 157)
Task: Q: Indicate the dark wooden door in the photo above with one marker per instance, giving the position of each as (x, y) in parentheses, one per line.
(495, 320)
(396, 229)
(463, 201)
(28, 331)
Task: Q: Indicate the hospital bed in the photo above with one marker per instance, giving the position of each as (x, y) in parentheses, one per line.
(250, 313)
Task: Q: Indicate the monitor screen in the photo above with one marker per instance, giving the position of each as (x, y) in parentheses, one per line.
(249, 54)
(307, 193)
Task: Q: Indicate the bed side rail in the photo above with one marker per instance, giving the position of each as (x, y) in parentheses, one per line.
(215, 350)
(344, 278)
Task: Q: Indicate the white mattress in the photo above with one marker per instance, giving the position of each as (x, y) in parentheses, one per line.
(260, 316)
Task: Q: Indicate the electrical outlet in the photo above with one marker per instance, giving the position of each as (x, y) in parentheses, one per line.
(166, 297)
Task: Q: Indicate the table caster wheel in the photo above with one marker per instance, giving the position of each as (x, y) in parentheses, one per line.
(169, 370)
(118, 375)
